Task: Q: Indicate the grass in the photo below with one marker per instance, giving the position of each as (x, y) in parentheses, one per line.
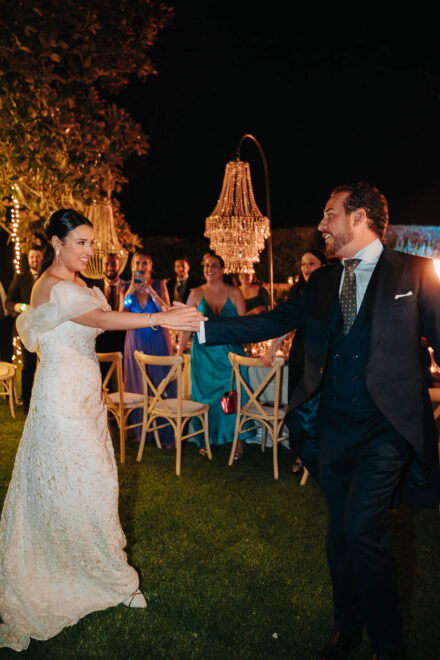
(232, 563)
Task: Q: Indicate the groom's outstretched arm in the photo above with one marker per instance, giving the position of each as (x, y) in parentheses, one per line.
(246, 329)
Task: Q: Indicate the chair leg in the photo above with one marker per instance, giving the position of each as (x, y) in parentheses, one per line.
(304, 478)
(263, 437)
(206, 432)
(156, 435)
(275, 453)
(11, 397)
(178, 442)
(142, 443)
(233, 448)
(235, 440)
(122, 442)
(14, 381)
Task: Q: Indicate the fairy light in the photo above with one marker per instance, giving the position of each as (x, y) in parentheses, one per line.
(17, 357)
(15, 221)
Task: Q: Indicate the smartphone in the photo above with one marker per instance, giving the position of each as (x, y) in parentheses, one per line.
(138, 276)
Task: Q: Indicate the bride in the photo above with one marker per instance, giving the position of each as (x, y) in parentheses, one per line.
(61, 544)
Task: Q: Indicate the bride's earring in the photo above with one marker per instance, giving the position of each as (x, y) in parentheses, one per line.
(57, 255)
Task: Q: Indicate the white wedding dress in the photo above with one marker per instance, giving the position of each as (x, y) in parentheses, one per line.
(61, 543)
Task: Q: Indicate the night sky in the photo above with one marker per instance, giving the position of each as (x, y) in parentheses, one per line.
(331, 99)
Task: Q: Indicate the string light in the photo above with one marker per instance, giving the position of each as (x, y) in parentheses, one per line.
(17, 357)
(15, 222)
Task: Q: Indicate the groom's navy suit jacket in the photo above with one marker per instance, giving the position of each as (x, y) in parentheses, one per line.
(404, 305)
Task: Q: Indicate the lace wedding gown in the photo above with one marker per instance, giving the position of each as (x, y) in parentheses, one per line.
(61, 543)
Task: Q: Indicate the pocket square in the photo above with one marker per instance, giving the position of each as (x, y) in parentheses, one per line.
(402, 295)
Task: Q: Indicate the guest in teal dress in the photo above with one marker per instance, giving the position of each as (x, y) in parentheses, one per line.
(210, 366)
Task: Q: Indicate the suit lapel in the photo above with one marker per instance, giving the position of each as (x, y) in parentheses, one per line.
(384, 283)
(328, 293)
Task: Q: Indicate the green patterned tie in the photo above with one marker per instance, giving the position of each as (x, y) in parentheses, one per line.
(347, 297)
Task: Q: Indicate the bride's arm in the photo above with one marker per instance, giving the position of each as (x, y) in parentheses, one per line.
(181, 318)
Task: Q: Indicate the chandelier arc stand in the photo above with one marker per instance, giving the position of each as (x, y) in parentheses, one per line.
(236, 228)
(268, 205)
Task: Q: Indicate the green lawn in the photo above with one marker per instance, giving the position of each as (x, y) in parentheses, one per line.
(232, 563)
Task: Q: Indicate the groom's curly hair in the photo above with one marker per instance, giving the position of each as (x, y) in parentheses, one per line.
(363, 196)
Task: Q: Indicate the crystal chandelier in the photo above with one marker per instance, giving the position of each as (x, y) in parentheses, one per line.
(236, 228)
(106, 241)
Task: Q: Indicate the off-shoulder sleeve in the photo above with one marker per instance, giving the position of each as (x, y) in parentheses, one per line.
(67, 301)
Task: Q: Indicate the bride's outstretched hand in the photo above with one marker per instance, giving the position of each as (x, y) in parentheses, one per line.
(182, 317)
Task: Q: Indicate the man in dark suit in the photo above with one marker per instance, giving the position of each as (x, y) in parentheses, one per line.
(112, 286)
(180, 286)
(362, 322)
(18, 297)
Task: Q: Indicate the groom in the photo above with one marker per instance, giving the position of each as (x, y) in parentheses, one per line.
(363, 320)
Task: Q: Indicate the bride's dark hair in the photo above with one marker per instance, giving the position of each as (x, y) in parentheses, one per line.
(59, 224)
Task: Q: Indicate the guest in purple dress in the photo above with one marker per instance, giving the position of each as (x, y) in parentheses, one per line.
(145, 295)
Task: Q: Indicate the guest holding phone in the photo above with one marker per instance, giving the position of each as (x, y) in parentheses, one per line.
(146, 295)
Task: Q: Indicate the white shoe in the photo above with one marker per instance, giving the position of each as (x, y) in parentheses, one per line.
(136, 599)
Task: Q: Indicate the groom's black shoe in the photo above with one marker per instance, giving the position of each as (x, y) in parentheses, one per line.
(341, 645)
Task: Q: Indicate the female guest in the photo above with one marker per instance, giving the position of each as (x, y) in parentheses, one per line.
(145, 295)
(255, 295)
(61, 543)
(210, 366)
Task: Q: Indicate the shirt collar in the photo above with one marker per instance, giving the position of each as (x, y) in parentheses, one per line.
(370, 252)
(112, 282)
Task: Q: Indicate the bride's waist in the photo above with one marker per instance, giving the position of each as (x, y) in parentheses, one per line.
(68, 357)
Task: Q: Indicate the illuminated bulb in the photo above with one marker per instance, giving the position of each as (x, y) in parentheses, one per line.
(15, 221)
(17, 356)
(437, 267)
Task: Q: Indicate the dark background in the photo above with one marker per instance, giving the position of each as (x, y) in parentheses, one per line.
(332, 97)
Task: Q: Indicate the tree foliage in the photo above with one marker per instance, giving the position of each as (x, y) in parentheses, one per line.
(63, 138)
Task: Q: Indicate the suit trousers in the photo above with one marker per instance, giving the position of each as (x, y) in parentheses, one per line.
(360, 465)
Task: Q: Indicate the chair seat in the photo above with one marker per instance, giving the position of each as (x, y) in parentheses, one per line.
(253, 410)
(188, 406)
(129, 398)
(7, 370)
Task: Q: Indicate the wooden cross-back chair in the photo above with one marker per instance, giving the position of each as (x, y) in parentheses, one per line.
(176, 411)
(7, 384)
(119, 402)
(268, 417)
